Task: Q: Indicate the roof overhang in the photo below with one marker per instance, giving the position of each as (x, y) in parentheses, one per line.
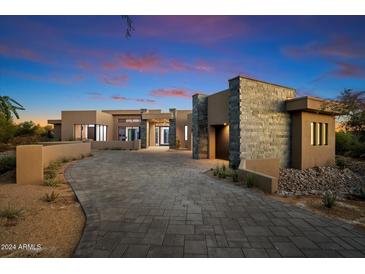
(54, 122)
(309, 104)
(156, 116)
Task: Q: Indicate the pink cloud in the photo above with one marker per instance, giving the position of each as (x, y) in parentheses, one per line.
(152, 62)
(22, 53)
(173, 92)
(116, 80)
(97, 96)
(348, 70)
(145, 62)
(194, 29)
(65, 80)
(339, 47)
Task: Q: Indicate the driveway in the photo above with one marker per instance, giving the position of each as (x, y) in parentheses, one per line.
(157, 203)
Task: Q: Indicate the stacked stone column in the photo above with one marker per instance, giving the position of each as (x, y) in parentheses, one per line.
(200, 126)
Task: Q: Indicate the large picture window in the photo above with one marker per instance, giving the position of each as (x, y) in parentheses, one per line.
(186, 133)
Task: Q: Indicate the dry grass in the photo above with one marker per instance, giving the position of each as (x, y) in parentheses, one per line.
(350, 211)
(56, 226)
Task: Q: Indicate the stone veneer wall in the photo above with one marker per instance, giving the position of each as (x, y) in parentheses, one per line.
(234, 123)
(264, 125)
(200, 126)
(172, 129)
(143, 133)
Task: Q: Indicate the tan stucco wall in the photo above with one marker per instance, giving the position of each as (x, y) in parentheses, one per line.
(69, 118)
(104, 118)
(57, 152)
(152, 134)
(32, 159)
(311, 156)
(182, 121)
(29, 164)
(218, 108)
(268, 167)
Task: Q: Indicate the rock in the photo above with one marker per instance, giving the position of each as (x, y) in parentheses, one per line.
(317, 180)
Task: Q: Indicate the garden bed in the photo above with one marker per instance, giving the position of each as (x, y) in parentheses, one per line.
(55, 226)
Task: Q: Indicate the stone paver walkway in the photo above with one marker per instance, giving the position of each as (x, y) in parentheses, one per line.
(152, 203)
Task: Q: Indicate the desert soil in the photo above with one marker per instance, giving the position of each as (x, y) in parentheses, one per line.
(55, 226)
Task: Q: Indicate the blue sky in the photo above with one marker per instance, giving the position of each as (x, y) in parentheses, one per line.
(54, 63)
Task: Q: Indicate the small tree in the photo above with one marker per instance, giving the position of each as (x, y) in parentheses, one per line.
(350, 106)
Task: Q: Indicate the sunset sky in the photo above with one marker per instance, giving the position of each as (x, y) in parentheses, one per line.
(54, 63)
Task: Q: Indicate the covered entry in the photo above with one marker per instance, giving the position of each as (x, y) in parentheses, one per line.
(219, 142)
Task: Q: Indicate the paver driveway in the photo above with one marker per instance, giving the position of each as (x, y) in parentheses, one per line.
(152, 203)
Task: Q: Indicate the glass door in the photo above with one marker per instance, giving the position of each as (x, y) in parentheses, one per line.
(164, 135)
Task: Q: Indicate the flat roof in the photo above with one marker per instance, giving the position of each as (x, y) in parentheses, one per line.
(258, 80)
(309, 104)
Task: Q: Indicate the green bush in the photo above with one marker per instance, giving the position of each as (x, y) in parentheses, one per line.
(235, 176)
(341, 163)
(7, 129)
(51, 172)
(249, 180)
(11, 212)
(329, 199)
(7, 162)
(348, 144)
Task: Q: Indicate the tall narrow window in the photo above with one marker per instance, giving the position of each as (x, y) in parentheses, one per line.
(313, 134)
(325, 134)
(186, 133)
(320, 134)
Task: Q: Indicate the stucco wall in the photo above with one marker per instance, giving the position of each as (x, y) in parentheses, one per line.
(32, 159)
(218, 108)
(70, 118)
(310, 155)
(264, 122)
(181, 122)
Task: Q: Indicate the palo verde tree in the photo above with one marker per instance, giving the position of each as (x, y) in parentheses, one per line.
(9, 107)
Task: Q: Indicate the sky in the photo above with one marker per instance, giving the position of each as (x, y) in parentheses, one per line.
(54, 63)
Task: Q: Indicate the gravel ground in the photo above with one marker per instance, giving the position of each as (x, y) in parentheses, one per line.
(319, 179)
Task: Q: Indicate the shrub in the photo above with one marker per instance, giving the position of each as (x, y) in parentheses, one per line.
(329, 199)
(349, 144)
(249, 180)
(235, 176)
(52, 182)
(11, 212)
(216, 171)
(340, 163)
(7, 162)
(222, 173)
(50, 197)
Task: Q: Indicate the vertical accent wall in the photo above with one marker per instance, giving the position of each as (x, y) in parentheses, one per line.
(234, 106)
(172, 128)
(200, 126)
(265, 126)
(143, 133)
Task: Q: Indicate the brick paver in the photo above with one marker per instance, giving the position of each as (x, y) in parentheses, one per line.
(154, 203)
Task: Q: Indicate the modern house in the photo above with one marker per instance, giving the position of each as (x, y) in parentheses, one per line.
(255, 120)
(153, 127)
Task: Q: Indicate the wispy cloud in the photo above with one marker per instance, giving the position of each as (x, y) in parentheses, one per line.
(22, 53)
(339, 47)
(115, 80)
(152, 62)
(52, 78)
(97, 96)
(172, 92)
(348, 70)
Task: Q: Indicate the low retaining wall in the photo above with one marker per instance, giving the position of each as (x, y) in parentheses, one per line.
(32, 159)
(265, 173)
(125, 145)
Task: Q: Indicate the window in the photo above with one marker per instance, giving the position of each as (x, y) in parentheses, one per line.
(313, 134)
(319, 134)
(186, 133)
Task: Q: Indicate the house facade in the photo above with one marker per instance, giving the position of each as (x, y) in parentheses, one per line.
(256, 120)
(153, 127)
